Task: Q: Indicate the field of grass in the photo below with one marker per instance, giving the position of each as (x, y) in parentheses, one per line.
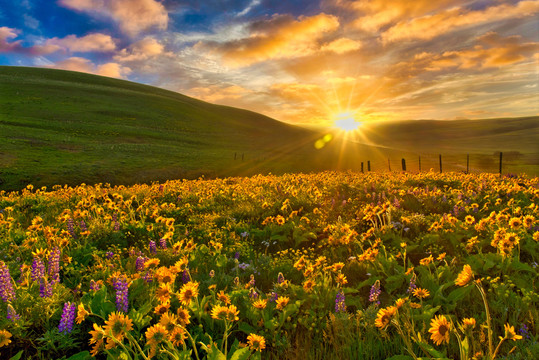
(333, 265)
(62, 127)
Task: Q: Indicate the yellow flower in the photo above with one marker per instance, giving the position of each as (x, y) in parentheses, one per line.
(81, 313)
(426, 261)
(162, 308)
(300, 264)
(232, 313)
(117, 325)
(280, 220)
(221, 296)
(164, 275)
(151, 263)
(260, 304)
(256, 342)
(440, 329)
(183, 316)
(155, 335)
(384, 316)
(341, 279)
(465, 276)
(188, 292)
(421, 293)
(468, 323)
(177, 336)
(515, 223)
(308, 285)
(163, 292)
(168, 321)
(536, 236)
(469, 219)
(282, 301)
(219, 312)
(4, 337)
(510, 333)
(400, 302)
(98, 336)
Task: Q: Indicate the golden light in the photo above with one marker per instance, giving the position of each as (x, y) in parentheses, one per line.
(346, 122)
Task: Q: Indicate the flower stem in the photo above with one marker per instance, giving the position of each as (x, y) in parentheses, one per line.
(489, 325)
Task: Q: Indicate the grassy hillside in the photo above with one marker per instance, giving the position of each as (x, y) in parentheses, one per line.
(63, 127)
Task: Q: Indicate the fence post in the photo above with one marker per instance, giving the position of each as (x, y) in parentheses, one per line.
(362, 167)
(403, 164)
(440, 163)
(388, 164)
(235, 156)
(419, 163)
(467, 163)
(368, 165)
(501, 153)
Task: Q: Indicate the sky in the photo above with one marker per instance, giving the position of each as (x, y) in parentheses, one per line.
(306, 62)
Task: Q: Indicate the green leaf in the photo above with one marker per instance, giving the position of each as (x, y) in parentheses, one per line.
(215, 354)
(431, 350)
(246, 328)
(221, 261)
(459, 293)
(241, 354)
(400, 357)
(19, 354)
(394, 282)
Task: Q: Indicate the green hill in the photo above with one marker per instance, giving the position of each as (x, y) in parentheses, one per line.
(63, 127)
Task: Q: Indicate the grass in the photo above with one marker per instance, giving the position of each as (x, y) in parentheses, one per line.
(63, 127)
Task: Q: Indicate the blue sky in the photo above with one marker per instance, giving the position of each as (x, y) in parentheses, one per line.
(303, 62)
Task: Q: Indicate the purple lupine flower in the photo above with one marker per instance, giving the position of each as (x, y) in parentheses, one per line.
(139, 263)
(7, 293)
(237, 255)
(243, 266)
(38, 269)
(70, 228)
(251, 281)
(524, 332)
(54, 265)
(116, 226)
(280, 278)
(412, 285)
(253, 294)
(12, 314)
(185, 276)
(45, 288)
(163, 243)
(148, 277)
(121, 285)
(94, 285)
(273, 296)
(109, 255)
(244, 234)
(83, 226)
(340, 305)
(375, 292)
(68, 316)
(153, 248)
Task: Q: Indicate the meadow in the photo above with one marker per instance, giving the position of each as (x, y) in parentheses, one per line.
(329, 265)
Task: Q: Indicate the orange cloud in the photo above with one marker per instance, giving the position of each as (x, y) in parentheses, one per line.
(342, 45)
(133, 16)
(141, 50)
(281, 37)
(85, 65)
(216, 93)
(6, 34)
(429, 26)
(91, 42)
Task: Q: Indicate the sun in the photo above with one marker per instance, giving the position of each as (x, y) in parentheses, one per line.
(345, 121)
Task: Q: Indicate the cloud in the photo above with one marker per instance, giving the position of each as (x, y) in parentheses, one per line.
(85, 65)
(6, 34)
(430, 26)
(218, 94)
(133, 16)
(141, 50)
(342, 45)
(279, 37)
(90, 43)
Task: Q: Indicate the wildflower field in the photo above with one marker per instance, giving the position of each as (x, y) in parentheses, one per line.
(333, 265)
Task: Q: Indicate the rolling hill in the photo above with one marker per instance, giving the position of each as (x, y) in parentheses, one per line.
(63, 127)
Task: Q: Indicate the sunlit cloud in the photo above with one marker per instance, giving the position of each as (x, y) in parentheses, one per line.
(84, 65)
(141, 50)
(89, 43)
(132, 16)
(6, 34)
(279, 37)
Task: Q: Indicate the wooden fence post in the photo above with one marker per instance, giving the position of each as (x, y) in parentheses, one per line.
(368, 165)
(388, 164)
(235, 155)
(419, 163)
(440, 163)
(403, 164)
(362, 166)
(501, 154)
(467, 163)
